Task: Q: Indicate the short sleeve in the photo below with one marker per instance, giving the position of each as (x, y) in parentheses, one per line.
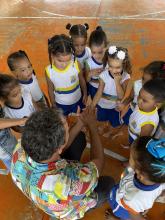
(87, 66)
(84, 179)
(103, 76)
(125, 77)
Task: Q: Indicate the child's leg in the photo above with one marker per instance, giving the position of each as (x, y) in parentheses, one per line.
(113, 117)
(109, 215)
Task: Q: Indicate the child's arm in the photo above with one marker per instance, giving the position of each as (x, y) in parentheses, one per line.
(51, 91)
(120, 88)
(99, 93)
(8, 123)
(89, 73)
(146, 130)
(82, 84)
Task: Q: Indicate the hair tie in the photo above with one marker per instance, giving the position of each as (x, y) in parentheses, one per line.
(157, 148)
(163, 68)
(120, 54)
(112, 50)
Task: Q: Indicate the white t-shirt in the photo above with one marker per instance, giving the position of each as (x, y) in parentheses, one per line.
(66, 82)
(33, 87)
(25, 110)
(93, 64)
(139, 118)
(136, 197)
(109, 97)
(137, 87)
(84, 56)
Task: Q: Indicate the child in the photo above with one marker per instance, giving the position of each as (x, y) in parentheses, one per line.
(64, 76)
(142, 184)
(7, 140)
(144, 119)
(94, 64)
(17, 104)
(153, 70)
(112, 85)
(78, 34)
(21, 67)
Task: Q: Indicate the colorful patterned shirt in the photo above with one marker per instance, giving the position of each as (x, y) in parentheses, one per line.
(63, 189)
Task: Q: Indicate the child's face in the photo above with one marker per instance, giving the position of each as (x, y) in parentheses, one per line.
(115, 66)
(79, 44)
(98, 52)
(146, 77)
(61, 61)
(15, 95)
(23, 69)
(146, 102)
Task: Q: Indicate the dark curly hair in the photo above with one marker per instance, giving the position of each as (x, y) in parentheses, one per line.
(43, 134)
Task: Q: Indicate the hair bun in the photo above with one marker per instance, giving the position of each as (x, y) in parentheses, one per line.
(99, 28)
(68, 26)
(86, 26)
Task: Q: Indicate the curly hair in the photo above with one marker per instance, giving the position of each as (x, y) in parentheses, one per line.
(43, 134)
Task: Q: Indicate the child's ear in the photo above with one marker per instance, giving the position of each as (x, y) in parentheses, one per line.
(158, 105)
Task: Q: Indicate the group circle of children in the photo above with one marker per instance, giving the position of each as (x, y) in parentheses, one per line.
(99, 76)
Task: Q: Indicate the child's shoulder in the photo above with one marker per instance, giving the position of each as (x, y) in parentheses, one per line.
(88, 51)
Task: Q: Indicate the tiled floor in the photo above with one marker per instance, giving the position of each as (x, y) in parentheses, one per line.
(27, 24)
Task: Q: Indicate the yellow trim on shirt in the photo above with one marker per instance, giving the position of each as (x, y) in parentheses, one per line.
(68, 88)
(62, 71)
(47, 72)
(148, 123)
(148, 113)
(77, 66)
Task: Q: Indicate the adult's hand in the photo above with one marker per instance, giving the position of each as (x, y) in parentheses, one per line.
(88, 116)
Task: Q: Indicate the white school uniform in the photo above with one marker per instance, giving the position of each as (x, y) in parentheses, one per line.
(140, 118)
(93, 64)
(136, 88)
(25, 110)
(66, 82)
(134, 196)
(110, 89)
(33, 87)
(84, 56)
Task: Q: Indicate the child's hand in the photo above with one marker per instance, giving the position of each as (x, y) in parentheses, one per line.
(88, 116)
(120, 106)
(95, 72)
(117, 77)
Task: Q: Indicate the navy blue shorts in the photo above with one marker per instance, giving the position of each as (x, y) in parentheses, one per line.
(67, 109)
(91, 90)
(113, 116)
